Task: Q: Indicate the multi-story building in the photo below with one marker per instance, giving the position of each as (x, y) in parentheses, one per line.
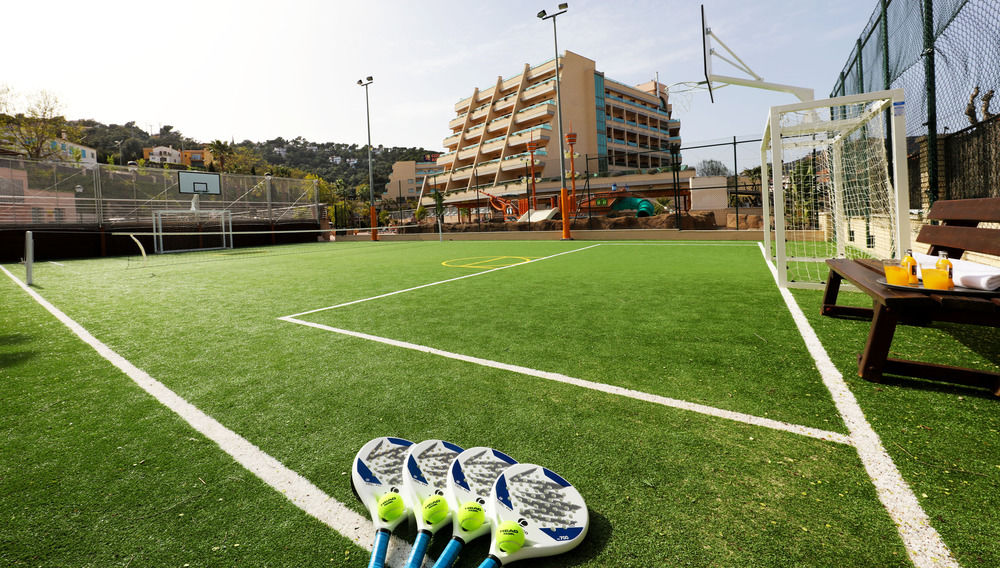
(619, 129)
(168, 155)
(68, 151)
(407, 178)
(162, 155)
(197, 158)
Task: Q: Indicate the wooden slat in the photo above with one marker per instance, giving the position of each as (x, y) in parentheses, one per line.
(968, 238)
(984, 209)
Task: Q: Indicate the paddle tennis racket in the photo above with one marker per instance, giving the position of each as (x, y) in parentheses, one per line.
(550, 512)
(470, 479)
(377, 472)
(424, 479)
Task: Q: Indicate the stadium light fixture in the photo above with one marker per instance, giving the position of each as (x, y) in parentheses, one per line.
(543, 15)
(371, 175)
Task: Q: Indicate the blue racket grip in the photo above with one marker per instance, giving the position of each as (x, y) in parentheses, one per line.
(379, 549)
(419, 550)
(450, 554)
(490, 562)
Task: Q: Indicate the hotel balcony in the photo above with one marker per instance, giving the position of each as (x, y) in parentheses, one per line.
(452, 141)
(458, 121)
(546, 87)
(542, 109)
(446, 159)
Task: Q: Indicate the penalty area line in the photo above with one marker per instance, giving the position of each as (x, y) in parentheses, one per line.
(923, 544)
(297, 489)
(600, 387)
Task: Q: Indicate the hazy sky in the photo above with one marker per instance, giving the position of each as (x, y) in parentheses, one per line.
(257, 70)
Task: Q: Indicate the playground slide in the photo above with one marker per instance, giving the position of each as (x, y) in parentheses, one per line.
(643, 207)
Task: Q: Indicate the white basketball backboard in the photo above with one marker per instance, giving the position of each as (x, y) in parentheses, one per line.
(199, 183)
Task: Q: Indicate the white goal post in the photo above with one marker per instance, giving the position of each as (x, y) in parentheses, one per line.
(185, 230)
(836, 183)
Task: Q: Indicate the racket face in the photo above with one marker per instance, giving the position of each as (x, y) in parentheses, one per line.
(377, 470)
(549, 509)
(425, 473)
(470, 478)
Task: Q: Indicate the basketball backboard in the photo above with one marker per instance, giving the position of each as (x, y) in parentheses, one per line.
(199, 183)
(706, 51)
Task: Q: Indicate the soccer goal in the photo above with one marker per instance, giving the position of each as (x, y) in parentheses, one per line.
(836, 179)
(185, 230)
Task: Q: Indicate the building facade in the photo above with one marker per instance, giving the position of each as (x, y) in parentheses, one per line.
(619, 129)
(408, 177)
(72, 152)
(162, 155)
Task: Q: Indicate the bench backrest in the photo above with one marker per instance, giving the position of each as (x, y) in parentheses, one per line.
(960, 230)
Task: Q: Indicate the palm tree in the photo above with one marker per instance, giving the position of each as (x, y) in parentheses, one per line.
(220, 151)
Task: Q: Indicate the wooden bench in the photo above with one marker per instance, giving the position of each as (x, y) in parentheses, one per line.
(958, 232)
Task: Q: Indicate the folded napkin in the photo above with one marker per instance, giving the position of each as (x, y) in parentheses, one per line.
(965, 273)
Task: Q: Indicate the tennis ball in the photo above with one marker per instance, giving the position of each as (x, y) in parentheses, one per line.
(510, 537)
(390, 507)
(471, 516)
(435, 509)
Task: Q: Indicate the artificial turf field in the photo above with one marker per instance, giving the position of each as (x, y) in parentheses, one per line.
(96, 472)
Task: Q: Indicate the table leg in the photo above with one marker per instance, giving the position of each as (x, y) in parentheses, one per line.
(877, 347)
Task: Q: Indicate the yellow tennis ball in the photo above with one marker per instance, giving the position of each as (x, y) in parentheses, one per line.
(390, 506)
(471, 516)
(435, 510)
(510, 537)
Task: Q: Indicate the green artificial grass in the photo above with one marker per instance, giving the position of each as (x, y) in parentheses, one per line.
(702, 323)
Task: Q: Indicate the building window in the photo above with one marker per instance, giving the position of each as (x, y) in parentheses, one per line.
(36, 215)
(60, 215)
(83, 153)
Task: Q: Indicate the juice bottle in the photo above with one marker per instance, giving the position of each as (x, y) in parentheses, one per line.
(945, 264)
(911, 268)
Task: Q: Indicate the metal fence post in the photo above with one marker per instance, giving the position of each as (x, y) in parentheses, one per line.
(929, 80)
(29, 257)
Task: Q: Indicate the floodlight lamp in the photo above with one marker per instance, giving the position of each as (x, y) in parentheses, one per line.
(563, 6)
(369, 79)
(360, 81)
(267, 175)
(541, 14)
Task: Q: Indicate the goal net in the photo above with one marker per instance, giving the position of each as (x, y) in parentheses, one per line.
(190, 230)
(836, 180)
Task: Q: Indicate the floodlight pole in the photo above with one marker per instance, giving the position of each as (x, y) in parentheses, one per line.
(371, 175)
(562, 158)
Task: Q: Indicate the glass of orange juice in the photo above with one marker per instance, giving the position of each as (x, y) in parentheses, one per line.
(934, 278)
(895, 272)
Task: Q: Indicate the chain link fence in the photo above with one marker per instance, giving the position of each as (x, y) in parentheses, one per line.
(945, 55)
(88, 195)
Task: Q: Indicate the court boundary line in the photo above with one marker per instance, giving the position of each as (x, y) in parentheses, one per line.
(923, 543)
(297, 489)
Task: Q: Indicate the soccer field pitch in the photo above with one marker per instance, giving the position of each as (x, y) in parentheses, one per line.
(203, 409)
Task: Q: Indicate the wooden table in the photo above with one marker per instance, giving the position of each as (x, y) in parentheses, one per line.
(891, 307)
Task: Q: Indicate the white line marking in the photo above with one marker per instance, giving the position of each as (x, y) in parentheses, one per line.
(293, 486)
(56, 263)
(601, 387)
(922, 542)
(386, 295)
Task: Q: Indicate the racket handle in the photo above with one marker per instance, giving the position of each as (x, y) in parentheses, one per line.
(379, 549)
(450, 553)
(419, 549)
(491, 562)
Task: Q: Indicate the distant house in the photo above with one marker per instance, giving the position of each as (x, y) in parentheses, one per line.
(335, 160)
(280, 151)
(70, 151)
(162, 155)
(197, 158)
(352, 161)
